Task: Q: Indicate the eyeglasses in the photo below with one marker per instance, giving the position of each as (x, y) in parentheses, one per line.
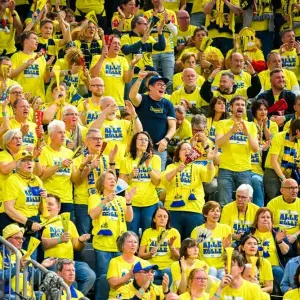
(17, 138)
(241, 197)
(27, 160)
(93, 138)
(72, 114)
(17, 92)
(18, 238)
(291, 188)
(161, 84)
(97, 85)
(200, 278)
(143, 140)
(147, 272)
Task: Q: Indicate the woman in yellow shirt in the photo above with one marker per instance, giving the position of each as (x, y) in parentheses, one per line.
(184, 188)
(295, 293)
(160, 244)
(272, 245)
(189, 261)
(145, 176)
(197, 283)
(249, 248)
(109, 213)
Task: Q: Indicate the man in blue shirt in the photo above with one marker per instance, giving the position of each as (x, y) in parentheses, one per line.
(156, 113)
(288, 282)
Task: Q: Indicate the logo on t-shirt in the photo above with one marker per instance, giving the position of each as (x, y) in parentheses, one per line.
(288, 218)
(157, 110)
(113, 70)
(32, 71)
(113, 133)
(212, 247)
(238, 138)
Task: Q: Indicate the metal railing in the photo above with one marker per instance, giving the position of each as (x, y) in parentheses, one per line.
(40, 269)
(9, 249)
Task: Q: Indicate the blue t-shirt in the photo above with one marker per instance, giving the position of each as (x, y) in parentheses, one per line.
(154, 116)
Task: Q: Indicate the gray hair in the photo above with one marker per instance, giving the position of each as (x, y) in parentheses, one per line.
(180, 109)
(67, 108)
(14, 86)
(198, 120)
(92, 130)
(106, 98)
(61, 262)
(245, 188)
(121, 240)
(230, 75)
(8, 136)
(56, 124)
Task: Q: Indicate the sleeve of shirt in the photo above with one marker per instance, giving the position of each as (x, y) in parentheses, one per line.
(125, 65)
(156, 163)
(14, 61)
(144, 241)
(94, 201)
(11, 190)
(177, 242)
(225, 216)
(285, 283)
(253, 131)
(175, 270)
(171, 110)
(94, 60)
(73, 230)
(123, 167)
(276, 145)
(219, 128)
(112, 267)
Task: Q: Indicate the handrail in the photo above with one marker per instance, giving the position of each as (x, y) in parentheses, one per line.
(43, 269)
(13, 249)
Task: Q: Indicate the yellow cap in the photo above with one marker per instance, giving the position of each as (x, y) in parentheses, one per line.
(11, 230)
(24, 154)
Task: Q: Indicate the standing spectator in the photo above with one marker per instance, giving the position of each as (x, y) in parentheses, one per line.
(197, 14)
(156, 113)
(237, 139)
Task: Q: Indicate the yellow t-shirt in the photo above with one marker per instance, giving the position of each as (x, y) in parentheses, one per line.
(26, 194)
(52, 45)
(116, 132)
(236, 153)
(267, 246)
(211, 249)
(30, 138)
(176, 271)
(292, 295)
(221, 17)
(75, 294)
(183, 132)
(211, 129)
(238, 223)
(287, 125)
(248, 291)
(146, 194)
(86, 6)
(178, 83)
(254, 54)
(242, 80)
(183, 37)
(188, 181)
(110, 224)
(187, 296)
(163, 257)
(93, 111)
(265, 271)
(112, 73)
(172, 4)
(290, 79)
(5, 157)
(62, 250)
(32, 78)
(197, 6)
(118, 267)
(168, 36)
(287, 151)
(115, 20)
(256, 163)
(86, 188)
(60, 183)
(286, 215)
(7, 39)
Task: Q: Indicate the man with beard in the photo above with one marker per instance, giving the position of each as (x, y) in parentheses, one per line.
(227, 87)
(237, 138)
(278, 92)
(116, 131)
(90, 109)
(156, 113)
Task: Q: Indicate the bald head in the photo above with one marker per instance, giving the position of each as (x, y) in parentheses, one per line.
(97, 86)
(172, 296)
(183, 20)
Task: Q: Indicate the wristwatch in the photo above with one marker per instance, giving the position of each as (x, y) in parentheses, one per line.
(167, 139)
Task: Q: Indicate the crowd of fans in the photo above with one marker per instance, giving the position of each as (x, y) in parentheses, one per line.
(167, 131)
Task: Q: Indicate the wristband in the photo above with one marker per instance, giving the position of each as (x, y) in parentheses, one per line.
(167, 292)
(282, 178)
(58, 240)
(131, 67)
(210, 80)
(101, 205)
(167, 139)
(29, 223)
(129, 204)
(60, 165)
(4, 114)
(217, 295)
(209, 161)
(141, 291)
(295, 235)
(37, 159)
(112, 164)
(149, 169)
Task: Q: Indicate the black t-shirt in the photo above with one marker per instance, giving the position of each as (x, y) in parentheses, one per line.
(154, 116)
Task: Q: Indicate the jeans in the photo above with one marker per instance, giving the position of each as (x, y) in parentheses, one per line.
(277, 273)
(198, 19)
(163, 156)
(224, 44)
(102, 261)
(159, 274)
(218, 273)
(82, 219)
(228, 182)
(258, 190)
(266, 38)
(142, 218)
(272, 184)
(105, 288)
(185, 222)
(166, 61)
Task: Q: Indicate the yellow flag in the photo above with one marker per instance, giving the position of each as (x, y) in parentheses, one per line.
(56, 70)
(65, 219)
(91, 16)
(229, 251)
(206, 41)
(253, 263)
(33, 244)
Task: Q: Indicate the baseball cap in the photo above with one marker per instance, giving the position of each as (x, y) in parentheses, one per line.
(143, 266)
(24, 154)
(11, 230)
(153, 79)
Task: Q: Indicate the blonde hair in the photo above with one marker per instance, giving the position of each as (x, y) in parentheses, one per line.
(78, 33)
(73, 56)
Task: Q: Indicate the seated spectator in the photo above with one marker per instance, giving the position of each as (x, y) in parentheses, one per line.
(249, 248)
(120, 268)
(293, 294)
(145, 176)
(184, 189)
(160, 244)
(61, 244)
(15, 235)
(142, 285)
(295, 115)
(211, 250)
(233, 283)
(189, 261)
(272, 244)
(240, 214)
(281, 159)
(109, 213)
(288, 283)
